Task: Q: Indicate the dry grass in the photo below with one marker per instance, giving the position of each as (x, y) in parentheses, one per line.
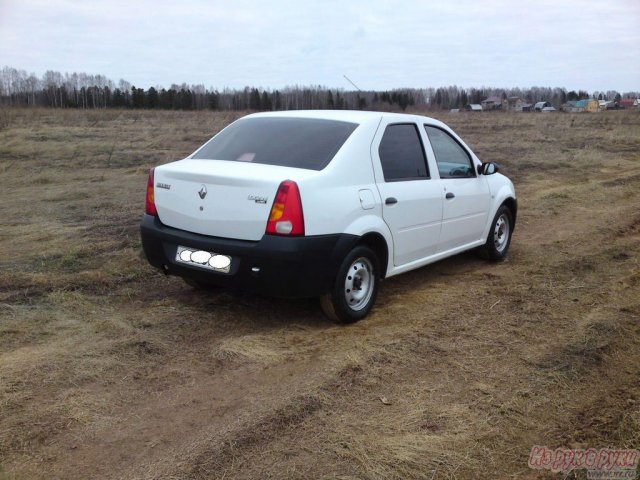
(110, 370)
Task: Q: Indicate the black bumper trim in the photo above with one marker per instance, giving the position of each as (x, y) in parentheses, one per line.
(289, 267)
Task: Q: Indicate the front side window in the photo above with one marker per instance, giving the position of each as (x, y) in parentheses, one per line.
(452, 159)
(290, 142)
(401, 154)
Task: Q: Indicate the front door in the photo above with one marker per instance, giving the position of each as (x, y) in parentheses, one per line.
(467, 198)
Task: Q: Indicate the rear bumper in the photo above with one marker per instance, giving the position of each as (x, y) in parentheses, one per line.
(288, 267)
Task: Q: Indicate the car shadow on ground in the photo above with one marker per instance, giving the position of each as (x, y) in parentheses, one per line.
(251, 313)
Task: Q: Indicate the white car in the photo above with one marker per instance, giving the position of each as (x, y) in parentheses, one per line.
(324, 203)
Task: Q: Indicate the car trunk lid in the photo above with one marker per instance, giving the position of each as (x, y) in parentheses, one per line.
(219, 198)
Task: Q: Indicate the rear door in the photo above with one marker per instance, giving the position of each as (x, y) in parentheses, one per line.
(467, 197)
(412, 201)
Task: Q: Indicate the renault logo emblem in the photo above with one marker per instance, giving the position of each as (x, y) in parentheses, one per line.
(202, 192)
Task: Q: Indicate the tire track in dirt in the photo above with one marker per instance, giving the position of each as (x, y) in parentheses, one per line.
(151, 432)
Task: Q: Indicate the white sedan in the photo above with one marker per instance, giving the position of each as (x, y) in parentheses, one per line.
(324, 203)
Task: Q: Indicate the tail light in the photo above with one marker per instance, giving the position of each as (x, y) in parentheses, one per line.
(286, 213)
(150, 204)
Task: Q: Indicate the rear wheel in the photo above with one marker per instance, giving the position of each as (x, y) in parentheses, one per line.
(355, 288)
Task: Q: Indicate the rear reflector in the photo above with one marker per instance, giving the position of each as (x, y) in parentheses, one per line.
(286, 216)
(150, 204)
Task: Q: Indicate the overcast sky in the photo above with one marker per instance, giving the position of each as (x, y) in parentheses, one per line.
(577, 44)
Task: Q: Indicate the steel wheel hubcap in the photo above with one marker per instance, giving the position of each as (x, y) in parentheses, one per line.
(501, 233)
(358, 284)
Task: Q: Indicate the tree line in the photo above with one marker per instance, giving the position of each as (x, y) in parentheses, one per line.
(81, 90)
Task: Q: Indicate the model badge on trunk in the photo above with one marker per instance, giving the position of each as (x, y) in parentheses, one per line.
(202, 192)
(257, 199)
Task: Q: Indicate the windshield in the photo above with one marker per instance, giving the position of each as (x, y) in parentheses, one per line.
(290, 142)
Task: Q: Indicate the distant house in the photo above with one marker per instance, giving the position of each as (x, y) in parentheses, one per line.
(491, 103)
(588, 105)
(606, 104)
(473, 107)
(548, 109)
(628, 102)
(515, 104)
(540, 105)
(570, 106)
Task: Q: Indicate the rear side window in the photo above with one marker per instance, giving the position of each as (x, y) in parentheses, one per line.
(401, 154)
(289, 142)
(453, 160)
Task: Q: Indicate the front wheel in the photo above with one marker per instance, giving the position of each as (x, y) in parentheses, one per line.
(355, 288)
(499, 237)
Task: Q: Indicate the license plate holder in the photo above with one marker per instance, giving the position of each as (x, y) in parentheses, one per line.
(195, 257)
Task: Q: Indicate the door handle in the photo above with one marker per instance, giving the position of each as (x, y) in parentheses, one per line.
(391, 201)
(449, 195)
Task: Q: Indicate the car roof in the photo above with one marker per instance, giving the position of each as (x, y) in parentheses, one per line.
(355, 116)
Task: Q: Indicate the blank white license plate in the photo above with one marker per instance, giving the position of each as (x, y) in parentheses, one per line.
(203, 259)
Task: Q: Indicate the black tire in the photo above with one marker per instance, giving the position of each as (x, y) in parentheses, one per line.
(499, 237)
(355, 288)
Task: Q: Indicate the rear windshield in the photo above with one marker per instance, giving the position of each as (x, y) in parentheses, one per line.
(290, 142)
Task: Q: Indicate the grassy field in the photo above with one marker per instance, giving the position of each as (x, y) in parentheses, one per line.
(110, 370)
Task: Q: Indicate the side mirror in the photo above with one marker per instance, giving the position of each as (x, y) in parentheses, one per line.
(488, 168)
